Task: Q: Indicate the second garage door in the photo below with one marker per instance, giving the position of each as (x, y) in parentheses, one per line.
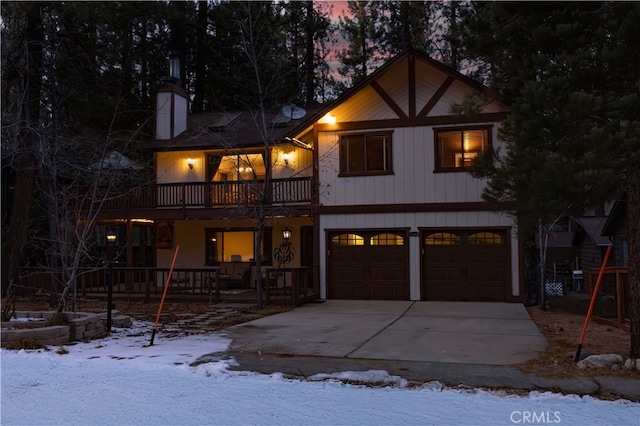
(368, 265)
(465, 265)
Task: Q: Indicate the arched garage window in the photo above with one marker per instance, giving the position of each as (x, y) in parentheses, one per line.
(347, 240)
(386, 240)
(442, 239)
(484, 238)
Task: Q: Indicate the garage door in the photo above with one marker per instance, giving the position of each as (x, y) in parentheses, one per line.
(368, 265)
(465, 265)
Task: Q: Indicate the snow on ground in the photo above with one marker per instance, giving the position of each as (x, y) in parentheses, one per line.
(121, 380)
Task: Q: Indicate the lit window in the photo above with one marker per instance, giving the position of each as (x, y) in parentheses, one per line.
(347, 240)
(386, 240)
(458, 148)
(365, 154)
(442, 239)
(484, 238)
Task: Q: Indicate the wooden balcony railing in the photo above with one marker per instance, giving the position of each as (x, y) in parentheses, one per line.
(213, 194)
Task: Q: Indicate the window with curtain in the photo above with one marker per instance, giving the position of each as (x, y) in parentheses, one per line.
(456, 149)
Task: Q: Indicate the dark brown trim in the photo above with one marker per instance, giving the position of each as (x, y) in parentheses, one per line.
(172, 116)
(303, 210)
(411, 80)
(388, 100)
(436, 97)
(476, 206)
(448, 120)
(172, 88)
(479, 127)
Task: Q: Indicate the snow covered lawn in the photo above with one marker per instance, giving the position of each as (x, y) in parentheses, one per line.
(120, 380)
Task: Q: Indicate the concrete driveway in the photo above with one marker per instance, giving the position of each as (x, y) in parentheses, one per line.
(449, 332)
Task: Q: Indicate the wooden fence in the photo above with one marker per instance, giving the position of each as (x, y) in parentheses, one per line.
(282, 286)
(612, 305)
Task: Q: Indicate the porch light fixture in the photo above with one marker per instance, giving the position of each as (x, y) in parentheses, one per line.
(329, 118)
(286, 234)
(190, 163)
(111, 240)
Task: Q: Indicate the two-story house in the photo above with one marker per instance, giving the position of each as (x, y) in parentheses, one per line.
(374, 187)
(397, 214)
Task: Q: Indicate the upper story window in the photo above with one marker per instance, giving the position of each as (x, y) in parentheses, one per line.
(456, 149)
(365, 154)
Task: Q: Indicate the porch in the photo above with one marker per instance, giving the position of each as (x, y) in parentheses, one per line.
(281, 286)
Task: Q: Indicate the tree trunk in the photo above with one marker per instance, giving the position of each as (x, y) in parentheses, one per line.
(201, 57)
(633, 239)
(31, 84)
(309, 55)
(17, 230)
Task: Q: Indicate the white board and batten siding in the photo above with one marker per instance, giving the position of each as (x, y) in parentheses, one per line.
(413, 179)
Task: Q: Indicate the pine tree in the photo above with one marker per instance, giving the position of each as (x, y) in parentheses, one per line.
(569, 72)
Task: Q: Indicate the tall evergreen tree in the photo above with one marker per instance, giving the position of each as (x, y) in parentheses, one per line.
(406, 25)
(569, 71)
(363, 30)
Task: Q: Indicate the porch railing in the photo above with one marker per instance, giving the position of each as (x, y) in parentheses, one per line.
(213, 194)
(282, 286)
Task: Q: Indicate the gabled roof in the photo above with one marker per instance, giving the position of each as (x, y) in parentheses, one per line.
(592, 227)
(374, 78)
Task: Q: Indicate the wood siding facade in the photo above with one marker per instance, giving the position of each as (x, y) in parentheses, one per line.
(410, 98)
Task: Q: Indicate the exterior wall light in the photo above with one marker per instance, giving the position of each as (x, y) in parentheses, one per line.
(190, 163)
(286, 234)
(329, 118)
(287, 158)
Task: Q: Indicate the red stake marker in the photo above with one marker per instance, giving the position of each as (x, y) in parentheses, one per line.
(592, 303)
(164, 293)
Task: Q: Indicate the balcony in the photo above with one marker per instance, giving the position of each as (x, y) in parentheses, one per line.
(194, 195)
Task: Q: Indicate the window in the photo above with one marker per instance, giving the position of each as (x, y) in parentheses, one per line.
(484, 238)
(221, 244)
(386, 240)
(442, 239)
(457, 148)
(347, 240)
(365, 154)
